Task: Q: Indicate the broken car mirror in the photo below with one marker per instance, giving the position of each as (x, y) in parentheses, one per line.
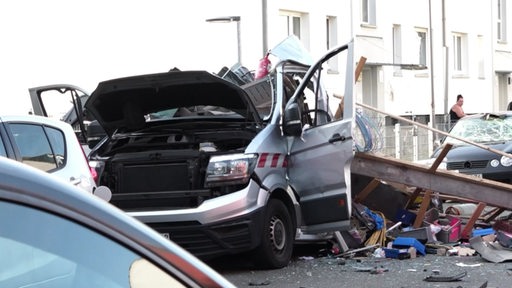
(292, 125)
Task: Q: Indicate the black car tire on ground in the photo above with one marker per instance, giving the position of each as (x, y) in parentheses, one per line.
(277, 239)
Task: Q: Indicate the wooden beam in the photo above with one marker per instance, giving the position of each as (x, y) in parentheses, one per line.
(432, 169)
(423, 209)
(440, 157)
(493, 214)
(369, 188)
(472, 220)
(415, 194)
(357, 73)
(443, 181)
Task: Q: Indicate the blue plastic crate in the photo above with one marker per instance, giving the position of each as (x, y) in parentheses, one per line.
(406, 242)
(483, 232)
(406, 217)
(396, 253)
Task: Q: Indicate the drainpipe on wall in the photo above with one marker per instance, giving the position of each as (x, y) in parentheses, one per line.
(264, 26)
(446, 63)
(433, 113)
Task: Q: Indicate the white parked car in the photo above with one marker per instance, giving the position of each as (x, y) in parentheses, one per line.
(47, 144)
(52, 236)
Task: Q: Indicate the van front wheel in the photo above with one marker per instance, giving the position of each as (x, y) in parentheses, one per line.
(276, 247)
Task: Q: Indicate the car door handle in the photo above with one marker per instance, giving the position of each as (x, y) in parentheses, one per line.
(336, 138)
(75, 181)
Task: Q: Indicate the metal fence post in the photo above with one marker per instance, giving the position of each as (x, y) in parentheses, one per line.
(415, 143)
(397, 140)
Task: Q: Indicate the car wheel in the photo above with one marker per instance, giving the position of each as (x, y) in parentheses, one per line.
(276, 247)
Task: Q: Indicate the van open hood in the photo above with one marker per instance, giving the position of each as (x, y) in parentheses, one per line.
(115, 103)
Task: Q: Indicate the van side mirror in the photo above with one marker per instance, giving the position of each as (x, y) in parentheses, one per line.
(292, 120)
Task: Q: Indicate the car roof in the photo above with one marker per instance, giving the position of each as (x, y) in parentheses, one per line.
(26, 185)
(36, 119)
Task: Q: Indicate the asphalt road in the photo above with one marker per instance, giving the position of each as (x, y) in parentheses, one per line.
(311, 269)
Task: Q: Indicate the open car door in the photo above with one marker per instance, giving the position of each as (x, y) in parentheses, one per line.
(320, 150)
(66, 103)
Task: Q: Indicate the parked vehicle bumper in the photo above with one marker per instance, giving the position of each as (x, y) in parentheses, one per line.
(223, 225)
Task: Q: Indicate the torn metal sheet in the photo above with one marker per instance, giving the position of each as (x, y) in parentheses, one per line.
(492, 252)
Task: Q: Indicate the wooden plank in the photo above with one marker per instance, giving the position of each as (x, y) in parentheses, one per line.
(472, 220)
(440, 157)
(415, 194)
(493, 214)
(443, 181)
(357, 73)
(369, 188)
(423, 209)
(432, 169)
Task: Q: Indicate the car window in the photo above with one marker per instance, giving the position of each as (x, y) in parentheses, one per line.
(58, 103)
(40, 249)
(260, 93)
(34, 146)
(3, 152)
(58, 144)
(190, 111)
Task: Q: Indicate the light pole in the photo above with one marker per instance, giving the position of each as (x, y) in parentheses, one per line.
(229, 19)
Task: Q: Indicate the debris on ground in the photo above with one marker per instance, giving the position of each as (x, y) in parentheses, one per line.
(430, 224)
(442, 278)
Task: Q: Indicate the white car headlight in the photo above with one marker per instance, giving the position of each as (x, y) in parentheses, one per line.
(230, 169)
(506, 161)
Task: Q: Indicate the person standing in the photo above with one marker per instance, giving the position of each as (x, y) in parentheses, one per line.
(457, 112)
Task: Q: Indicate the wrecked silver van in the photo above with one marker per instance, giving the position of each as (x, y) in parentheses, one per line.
(221, 168)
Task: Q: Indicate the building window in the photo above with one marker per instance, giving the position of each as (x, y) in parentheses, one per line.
(459, 53)
(368, 15)
(397, 48)
(291, 23)
(332, 41)
(501, 21)
(422, 37)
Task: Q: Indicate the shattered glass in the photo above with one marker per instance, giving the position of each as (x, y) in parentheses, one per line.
(486, 129)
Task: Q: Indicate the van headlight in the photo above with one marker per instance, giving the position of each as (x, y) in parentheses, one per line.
(230, 169)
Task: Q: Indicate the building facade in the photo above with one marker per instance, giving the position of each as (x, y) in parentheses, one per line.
(419, 54)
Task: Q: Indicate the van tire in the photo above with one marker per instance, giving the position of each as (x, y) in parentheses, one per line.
(277, 237)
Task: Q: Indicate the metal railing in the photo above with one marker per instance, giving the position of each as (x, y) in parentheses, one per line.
(403, 140)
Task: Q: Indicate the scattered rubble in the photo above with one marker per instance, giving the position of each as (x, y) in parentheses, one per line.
(450, 227)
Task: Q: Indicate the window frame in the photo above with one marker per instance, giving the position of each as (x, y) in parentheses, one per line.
(422, 49)
(293, 22)
(57, 161)
(332, 41)
(368, 12)
(397, 49)
(460, 53)
(501, 20)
